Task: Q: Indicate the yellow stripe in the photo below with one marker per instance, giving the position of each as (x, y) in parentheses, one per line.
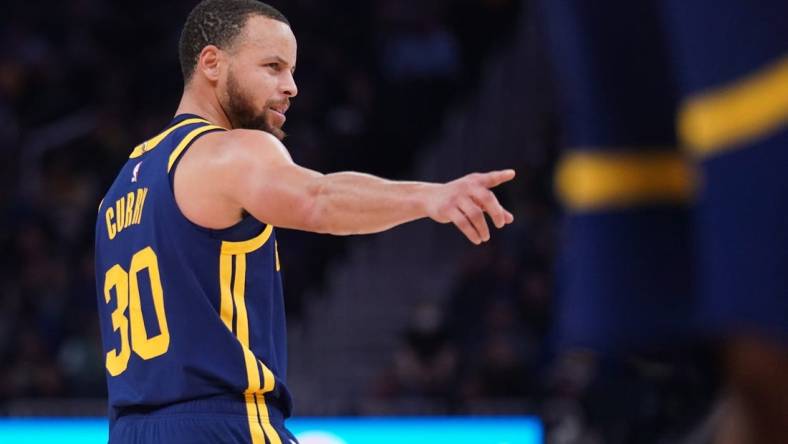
(265, 420)
(276, 255)
(186, 141)
(270, 432)
(242, 333)
(260, 426)
(600, 180)
(247, 246)
(725, 117)
(268, 378)
(226, 301)
(154, 142)
(255, 429)
(242, 324)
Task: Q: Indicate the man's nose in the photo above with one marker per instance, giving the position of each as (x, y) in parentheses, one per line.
(289, 87)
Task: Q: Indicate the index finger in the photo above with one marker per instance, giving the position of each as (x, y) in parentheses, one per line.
(495, 178)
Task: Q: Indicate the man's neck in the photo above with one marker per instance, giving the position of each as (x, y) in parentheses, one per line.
(204, 105)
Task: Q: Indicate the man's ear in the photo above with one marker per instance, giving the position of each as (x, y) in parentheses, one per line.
(209, 61)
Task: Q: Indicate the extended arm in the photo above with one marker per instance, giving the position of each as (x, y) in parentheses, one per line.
(254, 172)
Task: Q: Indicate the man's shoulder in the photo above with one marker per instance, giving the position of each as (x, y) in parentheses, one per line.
(238, 141)
(236, 150)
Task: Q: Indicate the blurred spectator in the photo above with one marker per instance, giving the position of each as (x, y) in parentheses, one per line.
(426, 362)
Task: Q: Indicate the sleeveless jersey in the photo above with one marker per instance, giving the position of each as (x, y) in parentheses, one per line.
(186, 312)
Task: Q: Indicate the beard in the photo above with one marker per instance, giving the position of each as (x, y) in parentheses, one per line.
(242, 112)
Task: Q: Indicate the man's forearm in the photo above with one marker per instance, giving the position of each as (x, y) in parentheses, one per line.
(356, 203)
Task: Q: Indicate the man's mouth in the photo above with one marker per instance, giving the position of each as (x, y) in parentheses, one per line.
(280, 108)
(279, 112)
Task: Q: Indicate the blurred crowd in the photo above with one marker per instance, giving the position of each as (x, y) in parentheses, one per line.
(490, 338)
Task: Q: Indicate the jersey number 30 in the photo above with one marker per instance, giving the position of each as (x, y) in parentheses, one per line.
(127, 291)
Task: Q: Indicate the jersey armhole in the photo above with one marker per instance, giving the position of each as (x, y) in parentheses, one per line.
(180, 150)
(247, 227)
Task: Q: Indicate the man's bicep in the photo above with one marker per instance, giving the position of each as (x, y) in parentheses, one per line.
(275, 190)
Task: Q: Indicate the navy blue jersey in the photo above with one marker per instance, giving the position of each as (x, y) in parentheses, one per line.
(186, 313)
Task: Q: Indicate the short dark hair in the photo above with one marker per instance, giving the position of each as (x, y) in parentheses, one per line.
(217, 22)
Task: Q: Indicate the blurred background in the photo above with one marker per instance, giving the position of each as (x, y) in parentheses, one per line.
(414, 321)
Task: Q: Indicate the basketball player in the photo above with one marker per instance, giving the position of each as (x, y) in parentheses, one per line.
(676, 121)
(190, 295)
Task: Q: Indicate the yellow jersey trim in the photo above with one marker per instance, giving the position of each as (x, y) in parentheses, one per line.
(248, 246)
(724, 118)
(265, 421)
(602, 180)
(253, 417)
(186, 141)
(276, 256)
(226, 295)
(232, 278)
(150, 144)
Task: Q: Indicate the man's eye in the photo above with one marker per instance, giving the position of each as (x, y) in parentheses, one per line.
(274, 66)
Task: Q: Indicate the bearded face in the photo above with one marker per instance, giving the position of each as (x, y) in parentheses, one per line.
(243, 113)
(258, 83)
